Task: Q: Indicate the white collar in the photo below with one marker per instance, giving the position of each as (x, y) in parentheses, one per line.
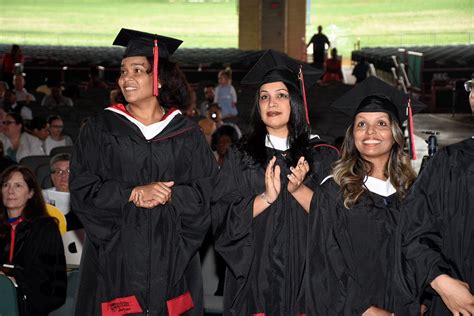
(377, 186)
(276, 142)
(148, 131)
(380, 187)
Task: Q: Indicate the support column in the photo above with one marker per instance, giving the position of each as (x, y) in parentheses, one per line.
(275, 24)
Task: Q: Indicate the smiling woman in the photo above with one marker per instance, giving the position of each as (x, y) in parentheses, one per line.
(262, 194)
(140, 181)
(354, 213)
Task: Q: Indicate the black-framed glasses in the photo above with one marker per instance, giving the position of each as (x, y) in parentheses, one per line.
(468, 85)
(8, 122)
(60, 172)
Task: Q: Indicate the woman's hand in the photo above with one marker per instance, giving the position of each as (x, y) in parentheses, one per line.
(455, 294)
(272, 181)
(297, 175)
(151, 195)
(375, 311)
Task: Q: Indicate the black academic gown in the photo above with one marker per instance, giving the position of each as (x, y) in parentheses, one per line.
(137, 259)
(265, 255)
(350, 262)
(436, 232)
(40, 266)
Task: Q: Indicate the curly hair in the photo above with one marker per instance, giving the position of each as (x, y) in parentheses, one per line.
(174, 90)
(253, 143)
(351, 169)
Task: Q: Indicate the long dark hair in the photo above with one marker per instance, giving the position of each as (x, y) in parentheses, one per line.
(35, 206)
(253, 143)
(174, 86)
(351, 169)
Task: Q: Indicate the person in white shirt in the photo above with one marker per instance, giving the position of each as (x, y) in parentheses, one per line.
(22, 95)
(56, 137)
(10, 104)
(18, 144)
(59, 195)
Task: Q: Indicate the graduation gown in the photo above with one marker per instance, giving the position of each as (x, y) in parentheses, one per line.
(436, 234)
(137, 260)
(40, 266)
(350, 261)
(266, 254)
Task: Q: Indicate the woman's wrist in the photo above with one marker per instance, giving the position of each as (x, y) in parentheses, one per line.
(263, 196)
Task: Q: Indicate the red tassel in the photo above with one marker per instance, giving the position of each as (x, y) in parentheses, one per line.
(303, 92)
(411, 131)
(155, 68)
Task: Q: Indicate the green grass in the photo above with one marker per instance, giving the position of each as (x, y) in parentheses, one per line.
(393, 22)
(95, 22)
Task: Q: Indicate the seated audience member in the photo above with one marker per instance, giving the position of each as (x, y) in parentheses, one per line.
(56, 137)
(39, 128)
(209, 99)
(18, 144)
(4, 87)
(208, 127)
(56, 99)
(30, 242)
(22, 95)
(224, 137)
(360, 70)
(59, 195)
(10, 104)
(215, 113)
(333, 68)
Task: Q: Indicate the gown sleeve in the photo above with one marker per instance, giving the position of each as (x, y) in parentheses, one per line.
(232, 216)
(327, 272)
(42, 275)
(98, 202)
(191, 201)
(419, 237)
(323, 156)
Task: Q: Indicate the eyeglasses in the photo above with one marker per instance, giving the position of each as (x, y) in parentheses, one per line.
(57, 126)
(8, 122)
(468, 85)
(60, 172)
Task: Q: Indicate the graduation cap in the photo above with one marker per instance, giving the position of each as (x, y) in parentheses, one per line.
(149, 45)
(375, 95)
(274, 66)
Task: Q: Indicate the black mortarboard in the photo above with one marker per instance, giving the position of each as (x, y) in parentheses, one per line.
(274, 66)
(149, 45)
(375, 95)
(141, 44)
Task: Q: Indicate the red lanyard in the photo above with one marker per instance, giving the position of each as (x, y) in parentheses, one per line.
(12, 237)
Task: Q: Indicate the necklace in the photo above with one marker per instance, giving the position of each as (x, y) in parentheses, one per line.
(280, 146)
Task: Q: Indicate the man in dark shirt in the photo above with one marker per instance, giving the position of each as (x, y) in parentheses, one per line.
(319, 41)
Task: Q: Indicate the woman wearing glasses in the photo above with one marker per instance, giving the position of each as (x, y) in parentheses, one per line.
(16, 143)
(56, 136)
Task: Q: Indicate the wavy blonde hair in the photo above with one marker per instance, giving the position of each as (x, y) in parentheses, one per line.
(351, 169)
